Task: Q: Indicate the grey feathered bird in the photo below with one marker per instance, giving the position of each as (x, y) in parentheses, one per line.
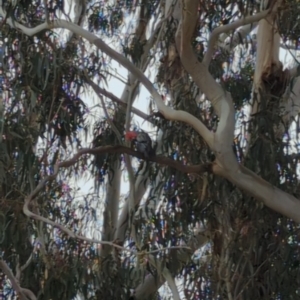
(142, 140)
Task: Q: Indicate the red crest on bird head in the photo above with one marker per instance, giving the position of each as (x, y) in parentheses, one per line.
(130, 135)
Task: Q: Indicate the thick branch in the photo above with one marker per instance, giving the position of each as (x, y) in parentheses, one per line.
(204, 80)
(162, 160)
(141, 185)
(168, 112)
(112, 196)
(212, 90)
(23, 293)
(221, 101)
(151, 283)
(167, 275)
(228, 43)
(226, 164)
(270, 195)
(232, 26)
(95, 151)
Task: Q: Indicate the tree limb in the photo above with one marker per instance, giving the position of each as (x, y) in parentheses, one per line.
(270, 195)
(226, 164)
(167, 111)
(167, 275)
(112, 198)
(98, 150)
(230, 42)
(141, 184)
(151, 283)
(23, 293)
(98, 90)
(221, 101)
(225, 28)
(212, 91)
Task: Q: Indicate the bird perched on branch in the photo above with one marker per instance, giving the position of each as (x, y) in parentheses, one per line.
(142, 141)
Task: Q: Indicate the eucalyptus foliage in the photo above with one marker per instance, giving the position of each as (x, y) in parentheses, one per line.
(46, 119)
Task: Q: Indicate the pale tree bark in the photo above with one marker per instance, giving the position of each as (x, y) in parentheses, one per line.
(220, 142)
(267, 59)
(268, 43)
(152, 283)
(114, 226)
(247, 22)
(112, 197)
(142, 181)
(113, 187)
(23, 293)
(228, 43)
(141, 184)
(80, 11)
(110, 215)
(226, 164)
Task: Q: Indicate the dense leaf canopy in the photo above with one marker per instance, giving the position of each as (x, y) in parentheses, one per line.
(48, 115)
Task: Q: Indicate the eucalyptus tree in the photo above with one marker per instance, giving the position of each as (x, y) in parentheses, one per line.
(214, 214)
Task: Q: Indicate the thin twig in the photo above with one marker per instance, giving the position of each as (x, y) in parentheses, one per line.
(98, 90)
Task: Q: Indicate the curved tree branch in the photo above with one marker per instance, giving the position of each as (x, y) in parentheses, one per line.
(232, 26)
(167, 276)
(151, 283)
(214, 93)
(23, 293)
(226, 164)
(167, 111)
(221, 101)
(99, 150)
(229, 42)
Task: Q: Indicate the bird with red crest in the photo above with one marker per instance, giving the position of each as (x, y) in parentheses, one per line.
(142, 142)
